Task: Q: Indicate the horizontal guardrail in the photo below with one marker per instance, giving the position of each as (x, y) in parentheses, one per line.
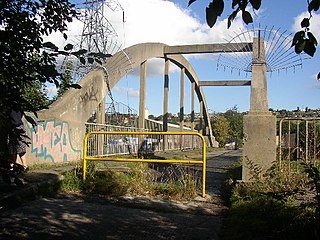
(87, 157)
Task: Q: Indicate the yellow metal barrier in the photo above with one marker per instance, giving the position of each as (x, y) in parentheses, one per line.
(203, 161)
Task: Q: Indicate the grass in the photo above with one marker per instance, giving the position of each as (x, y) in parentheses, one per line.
(135, 179)
(278, 206)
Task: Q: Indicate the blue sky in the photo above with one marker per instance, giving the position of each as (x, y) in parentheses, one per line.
(173, 23)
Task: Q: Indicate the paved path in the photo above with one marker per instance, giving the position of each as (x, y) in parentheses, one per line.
(67, 216)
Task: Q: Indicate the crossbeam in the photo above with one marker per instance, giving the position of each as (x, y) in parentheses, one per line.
(225, 83)
(208, 48)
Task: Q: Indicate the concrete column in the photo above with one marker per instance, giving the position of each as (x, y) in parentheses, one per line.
(101, 119)
(101, 112)
(258, 96)
(182, 99)
(259, 125)
(201, 116)
(182, 106)
(166, 95)
(142, 94)
(165, 103)
(193, 88)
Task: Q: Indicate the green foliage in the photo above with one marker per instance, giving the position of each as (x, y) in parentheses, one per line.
(24, 23)
(228, 125)
(221, 129)
(275, 205)
(235, 119)
(136, 181)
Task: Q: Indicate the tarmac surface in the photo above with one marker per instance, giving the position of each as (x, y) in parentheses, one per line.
(38, 211)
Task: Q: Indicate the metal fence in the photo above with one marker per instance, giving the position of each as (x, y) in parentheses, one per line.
(121, 144)
(299, 139)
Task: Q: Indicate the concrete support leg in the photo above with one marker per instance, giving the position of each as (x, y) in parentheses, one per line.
(259, 126)
(165, 102)
(201, 117)
(193, 88)
(101, 119)
(142, 95)
(182, 105)
(259, 149)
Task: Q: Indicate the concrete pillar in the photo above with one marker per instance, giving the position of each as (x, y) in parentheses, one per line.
(165, 102)
(193, 88)
(182, 99)
(142, 95)
(201, 116)
(101, 119)
(259, 125)
(181, 106)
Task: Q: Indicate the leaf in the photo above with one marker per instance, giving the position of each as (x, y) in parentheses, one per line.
(190, 2)
(312, 38)
(299, 46)
(298, 37)
(211, 16)
(314, 5)
(68, 47)
(80, 52)
(232, 17)
(246, 16)
(235, 3)
(305, 23)
(30, 120)
(98, 61)
(50, 45)
(63, 53)
(256, 4)
(76, 86)
(82, 60)
(214, 10)
(65, 36)
(309, 48)
(90, 60)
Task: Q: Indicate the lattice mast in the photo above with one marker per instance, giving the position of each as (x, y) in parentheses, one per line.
(98, 33)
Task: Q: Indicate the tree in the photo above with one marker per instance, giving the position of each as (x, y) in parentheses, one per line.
(221, 129)
(235, 119)
(24, 56)
(303, 41)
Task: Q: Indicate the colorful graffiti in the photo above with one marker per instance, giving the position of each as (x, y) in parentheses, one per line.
(51, 140)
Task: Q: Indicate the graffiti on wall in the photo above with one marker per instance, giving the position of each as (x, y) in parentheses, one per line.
(51, 141)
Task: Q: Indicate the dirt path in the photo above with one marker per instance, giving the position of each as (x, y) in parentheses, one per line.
(68, 216)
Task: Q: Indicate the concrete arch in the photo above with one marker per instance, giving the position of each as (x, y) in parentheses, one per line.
(76, 105)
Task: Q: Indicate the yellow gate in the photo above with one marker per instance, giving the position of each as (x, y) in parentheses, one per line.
(202, 161)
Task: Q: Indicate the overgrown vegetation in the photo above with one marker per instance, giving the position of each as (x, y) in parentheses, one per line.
(132, 179)
(279, 205)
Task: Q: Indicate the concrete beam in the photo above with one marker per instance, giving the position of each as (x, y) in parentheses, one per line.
(208, 48)
(225, 83)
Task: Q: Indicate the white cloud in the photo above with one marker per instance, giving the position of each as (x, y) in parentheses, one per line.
(130, 91)
(156, 21)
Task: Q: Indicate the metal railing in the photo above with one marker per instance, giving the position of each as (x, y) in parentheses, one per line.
(136, 144)
(299, 139)
(121, 144)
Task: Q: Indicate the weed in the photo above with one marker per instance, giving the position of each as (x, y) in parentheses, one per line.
(137, 180)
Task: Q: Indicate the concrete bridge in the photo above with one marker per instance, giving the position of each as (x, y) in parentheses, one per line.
(59, 134)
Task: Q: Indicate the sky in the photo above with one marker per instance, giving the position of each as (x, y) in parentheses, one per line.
(174, 23)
